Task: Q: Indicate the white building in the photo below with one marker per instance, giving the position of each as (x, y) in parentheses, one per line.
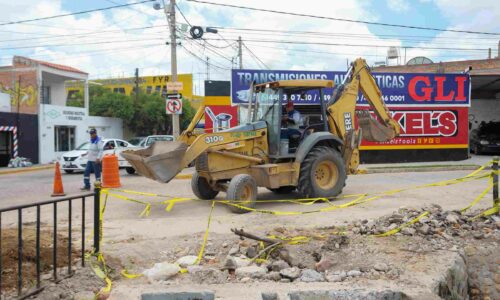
(37, 89)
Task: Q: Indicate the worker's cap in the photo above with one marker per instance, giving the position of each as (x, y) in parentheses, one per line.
(289, 104)
(92, 131)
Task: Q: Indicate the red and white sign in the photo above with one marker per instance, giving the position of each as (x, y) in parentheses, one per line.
(173, 106)
(427, 128)
(220, 117)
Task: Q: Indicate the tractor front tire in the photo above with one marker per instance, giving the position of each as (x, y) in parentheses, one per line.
(201, 188)
(242, 190)
(322, 173)
(130, 170)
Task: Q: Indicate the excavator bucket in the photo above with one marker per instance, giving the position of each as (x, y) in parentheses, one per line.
(160, 161)
(372, 129)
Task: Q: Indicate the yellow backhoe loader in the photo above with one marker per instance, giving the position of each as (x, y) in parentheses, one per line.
(251, 155)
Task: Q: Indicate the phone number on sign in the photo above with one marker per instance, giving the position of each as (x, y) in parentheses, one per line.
(387, 99)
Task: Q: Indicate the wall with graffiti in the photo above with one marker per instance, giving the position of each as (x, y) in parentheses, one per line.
(18, 91)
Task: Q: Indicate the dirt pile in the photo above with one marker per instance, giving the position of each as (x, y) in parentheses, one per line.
(342, 253)
(10, 256)
(433, 223)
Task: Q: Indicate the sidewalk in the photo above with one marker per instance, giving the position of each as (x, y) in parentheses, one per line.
(469, 164)
(6, 170)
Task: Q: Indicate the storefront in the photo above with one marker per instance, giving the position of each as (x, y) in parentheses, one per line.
(35, 121)
(64, 128)
(431, 109)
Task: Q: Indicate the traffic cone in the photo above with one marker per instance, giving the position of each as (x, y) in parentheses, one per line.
(110, 171)
(58, 185)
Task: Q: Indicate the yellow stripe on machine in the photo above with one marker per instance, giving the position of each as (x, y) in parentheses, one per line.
(409, 147)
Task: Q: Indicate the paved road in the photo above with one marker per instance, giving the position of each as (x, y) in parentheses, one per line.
(187, 221)
(37, 186)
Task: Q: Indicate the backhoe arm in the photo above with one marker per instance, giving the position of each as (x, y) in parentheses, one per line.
(373, 95)
(188, 136)
(341, 114)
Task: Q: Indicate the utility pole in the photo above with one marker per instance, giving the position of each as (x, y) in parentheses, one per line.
(208, 68)
(240, 53)
(137, 85)
(170, 14)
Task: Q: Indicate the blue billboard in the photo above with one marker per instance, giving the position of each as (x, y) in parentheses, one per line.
(398, 89)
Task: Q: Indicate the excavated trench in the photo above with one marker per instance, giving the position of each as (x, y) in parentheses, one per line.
(475, 274)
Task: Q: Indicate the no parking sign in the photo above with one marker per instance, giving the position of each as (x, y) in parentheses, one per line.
(173, 105)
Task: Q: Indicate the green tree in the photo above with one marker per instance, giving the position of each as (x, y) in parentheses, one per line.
(149, 115)
(188, 113)
(143, 115)
(108, 104)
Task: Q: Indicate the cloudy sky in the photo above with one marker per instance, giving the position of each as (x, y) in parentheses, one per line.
(112, 43)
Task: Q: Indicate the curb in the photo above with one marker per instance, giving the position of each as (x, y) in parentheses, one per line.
(184, 176)
(418, 169)
(25, 170)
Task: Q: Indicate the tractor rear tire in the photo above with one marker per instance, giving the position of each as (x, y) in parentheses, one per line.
(283, 189)
(130, 170)
(322, 173)
(242, 190)
(201, 188)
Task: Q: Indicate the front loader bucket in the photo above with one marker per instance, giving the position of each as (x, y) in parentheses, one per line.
(372, 129)
(160, 161)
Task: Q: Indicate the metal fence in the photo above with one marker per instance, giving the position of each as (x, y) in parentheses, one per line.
(54, 204)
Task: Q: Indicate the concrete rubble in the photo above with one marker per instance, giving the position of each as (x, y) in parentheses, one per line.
(447, 240)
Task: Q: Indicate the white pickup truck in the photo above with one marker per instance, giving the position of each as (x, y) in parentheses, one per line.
(149, 140)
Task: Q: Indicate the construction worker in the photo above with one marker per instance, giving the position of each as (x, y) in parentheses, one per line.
(94, 155)
(292, 120)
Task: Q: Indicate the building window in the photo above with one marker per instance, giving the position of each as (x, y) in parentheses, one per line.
(158, 89)
(149, 89)
(119, 90)
(64, 138)
(164, 91)
(45, 94)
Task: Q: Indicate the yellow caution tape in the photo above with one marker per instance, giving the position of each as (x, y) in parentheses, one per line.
(100, 272)
(396, 230)
(126, 274)
(174, 201)
(291, 240)
(488, 212)
(478, 198)
(205, 237)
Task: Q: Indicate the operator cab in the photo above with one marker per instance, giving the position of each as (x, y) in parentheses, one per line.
(269, 104)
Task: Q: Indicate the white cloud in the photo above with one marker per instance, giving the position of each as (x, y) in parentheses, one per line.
(398, 5)
(107, 50)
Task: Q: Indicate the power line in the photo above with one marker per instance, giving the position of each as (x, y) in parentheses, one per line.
(182, 14)
(197, 42)
(344, 33)
(345, 20)
(82, 34)
(280, 49)
(255, 56)
(360, 45)
(76, 13)
(82, 44)
(90, 53)
(132, 8)
(201, 59)
(323, 35)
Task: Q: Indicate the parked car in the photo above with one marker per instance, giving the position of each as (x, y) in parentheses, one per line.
(486, 138)
(136, 140)
(76, 160)
(149, 140)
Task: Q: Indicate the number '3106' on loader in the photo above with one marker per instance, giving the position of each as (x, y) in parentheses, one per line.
(242, 158)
